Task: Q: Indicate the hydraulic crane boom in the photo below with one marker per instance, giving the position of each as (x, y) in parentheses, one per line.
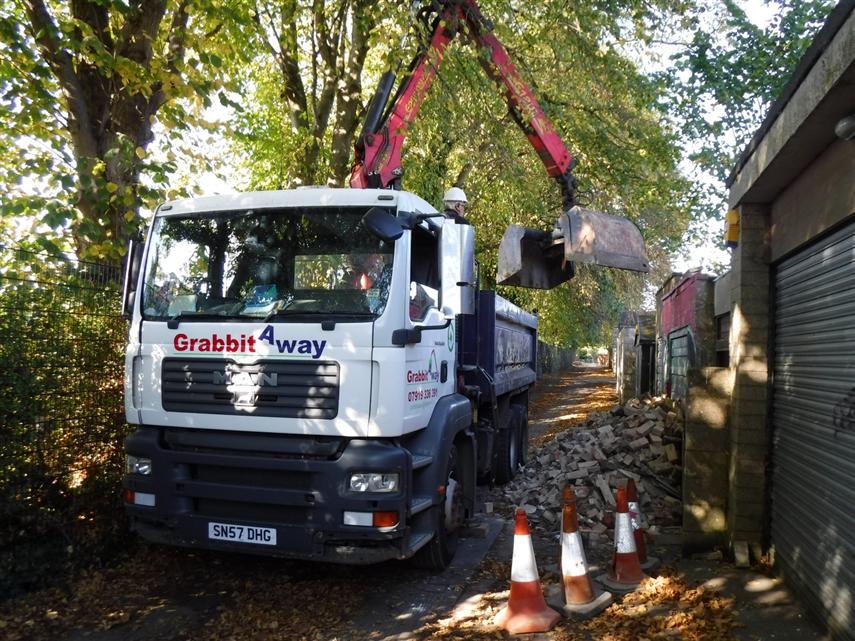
(528, 258)
(378, 150)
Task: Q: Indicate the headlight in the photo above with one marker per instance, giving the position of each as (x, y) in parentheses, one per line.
(138, 465)
(373, 482)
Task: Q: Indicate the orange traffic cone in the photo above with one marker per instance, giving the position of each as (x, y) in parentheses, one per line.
(647, 563)
(625, 573)
(580, 599)
(526, 610)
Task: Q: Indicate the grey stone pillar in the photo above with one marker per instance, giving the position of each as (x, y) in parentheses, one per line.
(706, 447)
(749, 358)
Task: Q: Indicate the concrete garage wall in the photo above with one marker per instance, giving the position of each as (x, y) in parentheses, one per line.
(826, 190)
(749, 361)
(792, 183)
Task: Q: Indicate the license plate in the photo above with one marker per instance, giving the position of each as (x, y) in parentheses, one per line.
(242, 533)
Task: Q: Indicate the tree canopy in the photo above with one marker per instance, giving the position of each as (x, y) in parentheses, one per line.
(604, 108)
(98, 96)
(725, 74)
(82, 86)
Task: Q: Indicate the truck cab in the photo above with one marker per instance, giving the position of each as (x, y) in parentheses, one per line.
(295, 381)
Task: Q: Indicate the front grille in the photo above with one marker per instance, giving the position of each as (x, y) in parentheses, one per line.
(251, 477)
(253, 444)
(263, 513)
(286, 389)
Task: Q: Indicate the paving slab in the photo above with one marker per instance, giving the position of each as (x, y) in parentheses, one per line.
(765, 607)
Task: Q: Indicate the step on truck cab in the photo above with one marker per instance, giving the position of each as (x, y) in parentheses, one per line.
(314, 374)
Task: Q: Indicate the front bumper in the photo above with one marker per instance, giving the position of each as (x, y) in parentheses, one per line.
(297, 485)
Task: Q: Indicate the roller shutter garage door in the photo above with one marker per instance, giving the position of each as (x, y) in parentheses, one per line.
(813, 419)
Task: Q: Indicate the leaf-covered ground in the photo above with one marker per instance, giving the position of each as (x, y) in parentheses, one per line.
(172, 594)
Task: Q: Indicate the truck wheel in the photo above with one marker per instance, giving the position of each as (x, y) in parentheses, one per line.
(448, 516)
(507, 459)
(522, 422)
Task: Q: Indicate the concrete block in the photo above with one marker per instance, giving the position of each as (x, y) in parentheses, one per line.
(556, 599)
(750, 452)
(705, 517)
(746, 407)
(695, 541)
(698, 437)
(745, 524)
(740, 497)
(710, 464)
(718, 381)
(753, 217)
(750, 390)
(741, 557)
(751, 364)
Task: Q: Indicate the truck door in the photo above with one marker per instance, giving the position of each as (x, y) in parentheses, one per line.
(430, 363)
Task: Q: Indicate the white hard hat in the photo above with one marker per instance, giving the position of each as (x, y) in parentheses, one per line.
(455, 194)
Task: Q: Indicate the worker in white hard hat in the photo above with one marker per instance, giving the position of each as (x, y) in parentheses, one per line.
(455, 205)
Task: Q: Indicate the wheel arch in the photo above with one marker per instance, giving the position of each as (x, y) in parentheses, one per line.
(450, 424)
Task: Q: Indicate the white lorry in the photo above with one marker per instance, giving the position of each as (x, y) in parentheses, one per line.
(314, 374)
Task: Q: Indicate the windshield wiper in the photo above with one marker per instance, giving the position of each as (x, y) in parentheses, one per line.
(173, 321)
(312, 313)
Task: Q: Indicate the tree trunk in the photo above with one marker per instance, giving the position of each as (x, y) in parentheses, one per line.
(350, 107)
(107, 120)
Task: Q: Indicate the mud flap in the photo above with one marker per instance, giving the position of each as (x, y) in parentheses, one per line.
(543, 260)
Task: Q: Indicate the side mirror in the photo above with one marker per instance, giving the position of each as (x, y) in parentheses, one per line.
(457, 266)
(133, 261)
(382, 224)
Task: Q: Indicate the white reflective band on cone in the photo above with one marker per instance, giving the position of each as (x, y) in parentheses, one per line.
(635, 515)
(573, 562)
(523, 566)
(624, 539)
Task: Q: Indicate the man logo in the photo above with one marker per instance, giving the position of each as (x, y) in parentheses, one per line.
(246, 379)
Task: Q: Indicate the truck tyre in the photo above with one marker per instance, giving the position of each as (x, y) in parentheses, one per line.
(448, 518)
(507, 459)
(522, 422)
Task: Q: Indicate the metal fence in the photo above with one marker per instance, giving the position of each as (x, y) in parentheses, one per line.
(61, 415)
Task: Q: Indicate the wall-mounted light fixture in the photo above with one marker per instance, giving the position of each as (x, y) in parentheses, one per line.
(731, 228)
(845, 128)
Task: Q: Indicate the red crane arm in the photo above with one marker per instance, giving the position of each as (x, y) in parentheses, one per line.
(378, 150)
(522, 105)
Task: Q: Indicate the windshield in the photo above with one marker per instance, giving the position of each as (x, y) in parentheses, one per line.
(263, 264)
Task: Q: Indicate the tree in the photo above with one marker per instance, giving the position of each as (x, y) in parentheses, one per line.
(82, 85)
(308, 90)
(604, 108)
(727, 75)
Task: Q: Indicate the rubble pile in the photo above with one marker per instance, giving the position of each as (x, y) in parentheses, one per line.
(640, 440)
